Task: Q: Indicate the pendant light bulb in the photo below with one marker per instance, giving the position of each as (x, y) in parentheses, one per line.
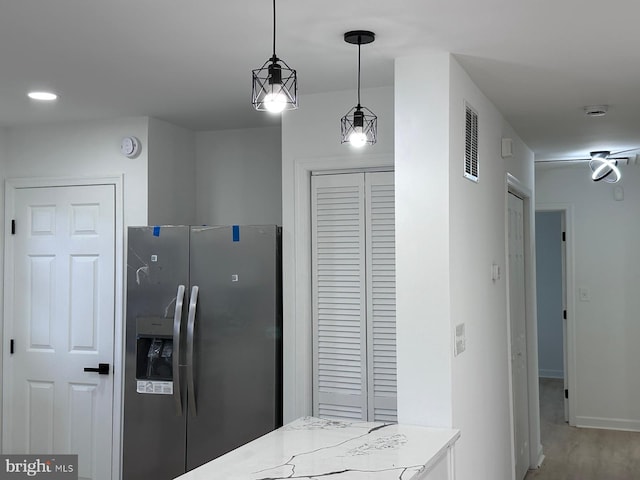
(275, 102)
(358, 138)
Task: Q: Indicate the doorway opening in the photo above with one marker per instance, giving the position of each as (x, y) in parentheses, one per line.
(551, 299)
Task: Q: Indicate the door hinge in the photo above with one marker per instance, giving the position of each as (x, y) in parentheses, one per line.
(564, 236)
(11, 346)
(566, 393)
(564, 314)
(13, 227)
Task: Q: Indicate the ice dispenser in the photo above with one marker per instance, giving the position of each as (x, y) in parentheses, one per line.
(154, 355)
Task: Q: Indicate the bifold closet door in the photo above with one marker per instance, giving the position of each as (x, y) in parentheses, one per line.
(381, 296)
(339, 301)
(353, 264)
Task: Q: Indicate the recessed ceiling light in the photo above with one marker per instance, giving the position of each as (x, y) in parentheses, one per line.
(45, 96)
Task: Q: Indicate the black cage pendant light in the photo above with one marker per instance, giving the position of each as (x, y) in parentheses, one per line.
(360, 125)
(275, 85)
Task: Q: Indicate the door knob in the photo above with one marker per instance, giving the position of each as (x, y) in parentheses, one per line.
(103, 369)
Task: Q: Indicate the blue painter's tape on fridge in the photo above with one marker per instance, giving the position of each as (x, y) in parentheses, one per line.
(156, 231)
(236, 233)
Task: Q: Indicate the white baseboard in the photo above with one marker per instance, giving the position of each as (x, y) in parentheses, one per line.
(550, 373)
(608, 423)
(540, 457)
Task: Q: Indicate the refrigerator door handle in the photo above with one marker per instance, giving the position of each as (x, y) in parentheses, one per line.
(177, 324)
(191, 322)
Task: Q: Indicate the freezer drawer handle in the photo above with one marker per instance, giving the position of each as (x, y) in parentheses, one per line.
(177, 326)
(191, 323)
(103, 369)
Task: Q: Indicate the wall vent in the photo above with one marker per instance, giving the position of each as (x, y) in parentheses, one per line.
(471, 143)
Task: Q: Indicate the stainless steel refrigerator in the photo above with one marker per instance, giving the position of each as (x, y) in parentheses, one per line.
(203, 366)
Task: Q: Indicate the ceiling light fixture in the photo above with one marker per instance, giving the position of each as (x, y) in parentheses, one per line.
(275, 85)
(604, 168)
(42, 96)
(360, 125)
(596, 110)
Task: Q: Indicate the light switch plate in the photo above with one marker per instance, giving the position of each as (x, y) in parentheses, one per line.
(583, 294)
(495, 272)
(461, 339)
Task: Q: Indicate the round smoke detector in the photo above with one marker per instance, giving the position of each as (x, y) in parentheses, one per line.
(596, 110)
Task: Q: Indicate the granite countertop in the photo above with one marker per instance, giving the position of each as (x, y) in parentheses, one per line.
(312, 447)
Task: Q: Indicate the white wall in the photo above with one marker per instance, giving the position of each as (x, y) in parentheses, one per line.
(449, 231)
(481, 374)
(239, 176)
(423, 301)
(3, 148)
(86, 149)
(311, 141)
(549, 294)
(606, 262)
(172, 175)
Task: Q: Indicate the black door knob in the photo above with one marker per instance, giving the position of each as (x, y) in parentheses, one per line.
(103, 369)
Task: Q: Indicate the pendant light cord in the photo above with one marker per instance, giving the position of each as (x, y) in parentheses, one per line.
(359, 42)
(274, 29)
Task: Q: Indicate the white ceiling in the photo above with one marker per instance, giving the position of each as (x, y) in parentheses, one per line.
(189, 61)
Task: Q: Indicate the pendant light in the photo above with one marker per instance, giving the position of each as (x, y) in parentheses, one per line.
(360, 125)
(275, 85)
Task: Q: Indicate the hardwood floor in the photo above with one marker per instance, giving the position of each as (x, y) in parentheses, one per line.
(581, 453)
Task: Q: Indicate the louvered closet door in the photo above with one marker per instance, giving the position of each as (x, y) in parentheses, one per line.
(381, 296)
(354, 303)
(339, 302)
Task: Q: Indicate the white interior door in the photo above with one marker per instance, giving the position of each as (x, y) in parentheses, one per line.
(518, 335)
(61, 320)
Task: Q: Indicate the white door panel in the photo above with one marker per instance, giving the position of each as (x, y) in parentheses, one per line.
(339, 303)
(63, 321)
(518, 335)
(381, 296)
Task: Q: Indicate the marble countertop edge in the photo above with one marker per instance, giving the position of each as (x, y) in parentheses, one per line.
(431, 463)
(309, 447)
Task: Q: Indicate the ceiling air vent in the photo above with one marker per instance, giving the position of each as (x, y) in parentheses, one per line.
(471, 144)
